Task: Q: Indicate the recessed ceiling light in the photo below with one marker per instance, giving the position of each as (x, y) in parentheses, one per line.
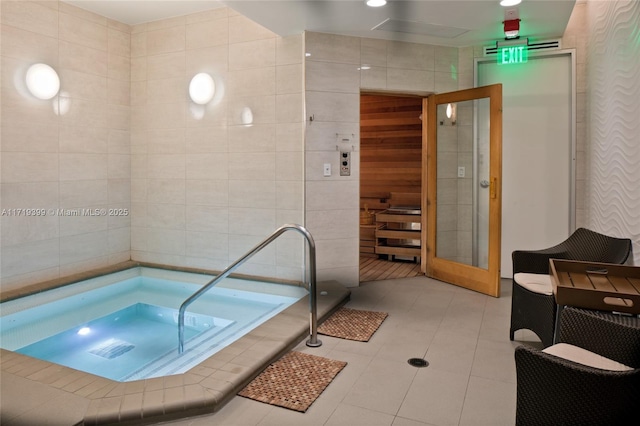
(376, 3)
(507, 3)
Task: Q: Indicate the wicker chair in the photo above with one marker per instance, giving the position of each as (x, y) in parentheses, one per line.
(615, 336)
(534, 309)
(552, 390)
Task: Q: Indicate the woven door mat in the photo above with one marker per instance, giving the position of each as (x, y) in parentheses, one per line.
(352, 324)
(294, 381)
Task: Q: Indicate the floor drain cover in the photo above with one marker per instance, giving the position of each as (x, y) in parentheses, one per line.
(418, 362)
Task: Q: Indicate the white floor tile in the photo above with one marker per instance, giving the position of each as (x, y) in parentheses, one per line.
(489, 403)
(348, 415)
(435, 397)
(382, 386)
(470, 380)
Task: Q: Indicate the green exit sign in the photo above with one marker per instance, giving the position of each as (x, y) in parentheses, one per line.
(513, 55)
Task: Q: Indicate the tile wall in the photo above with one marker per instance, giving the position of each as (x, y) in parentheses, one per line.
(65, 156)
(338, 68)
(608, 143)
(611, 93)
(575, 37)
(207, 186)
(201, 187)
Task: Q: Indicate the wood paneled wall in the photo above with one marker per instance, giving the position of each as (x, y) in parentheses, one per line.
(390, 147)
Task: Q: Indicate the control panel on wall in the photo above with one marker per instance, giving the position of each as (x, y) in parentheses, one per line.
(345, 163)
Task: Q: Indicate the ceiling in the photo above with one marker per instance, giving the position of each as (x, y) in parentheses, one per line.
(443, 22)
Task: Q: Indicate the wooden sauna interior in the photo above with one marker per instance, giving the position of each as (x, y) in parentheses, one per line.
(390, 176)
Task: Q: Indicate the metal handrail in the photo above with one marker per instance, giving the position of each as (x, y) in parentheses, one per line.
(313, 305)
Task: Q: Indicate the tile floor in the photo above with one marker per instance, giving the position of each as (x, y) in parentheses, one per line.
(464, 335)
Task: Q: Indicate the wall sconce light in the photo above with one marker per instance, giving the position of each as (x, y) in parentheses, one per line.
(202, 88)
(42, 81)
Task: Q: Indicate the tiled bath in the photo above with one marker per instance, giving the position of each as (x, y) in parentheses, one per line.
(39, 392)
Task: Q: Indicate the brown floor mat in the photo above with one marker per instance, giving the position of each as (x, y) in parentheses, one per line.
(294, 381)
(352, 324)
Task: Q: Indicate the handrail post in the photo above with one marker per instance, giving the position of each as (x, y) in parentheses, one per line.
(313, 341)
(313, 300)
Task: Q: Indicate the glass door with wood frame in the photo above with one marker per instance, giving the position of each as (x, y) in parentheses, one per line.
(462, 196)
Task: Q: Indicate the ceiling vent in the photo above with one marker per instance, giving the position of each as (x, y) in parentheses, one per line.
(421, 28)
(532, 47)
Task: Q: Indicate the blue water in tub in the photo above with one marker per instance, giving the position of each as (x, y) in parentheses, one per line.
(127, 330)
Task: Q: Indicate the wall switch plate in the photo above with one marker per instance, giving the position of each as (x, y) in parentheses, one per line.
(461, 172)
(327, 169)
(345, 163)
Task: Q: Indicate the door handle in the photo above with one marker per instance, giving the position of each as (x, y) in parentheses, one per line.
(484, 183)
(492, 189)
